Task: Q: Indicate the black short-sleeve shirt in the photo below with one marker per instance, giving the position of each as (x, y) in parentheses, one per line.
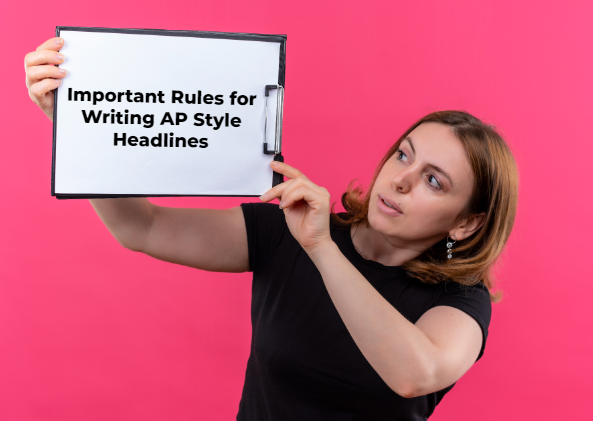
(304, 364)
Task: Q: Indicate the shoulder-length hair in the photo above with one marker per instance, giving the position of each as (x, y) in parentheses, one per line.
(495, 192)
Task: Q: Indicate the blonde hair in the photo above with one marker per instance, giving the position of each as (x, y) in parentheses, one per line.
(495, 192)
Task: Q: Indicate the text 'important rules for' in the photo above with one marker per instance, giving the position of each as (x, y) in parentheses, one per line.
(147, 120)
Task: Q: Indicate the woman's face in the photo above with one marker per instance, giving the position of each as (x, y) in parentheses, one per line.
(430, 181)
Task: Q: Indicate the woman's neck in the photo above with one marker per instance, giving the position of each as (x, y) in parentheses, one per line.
(380, 248)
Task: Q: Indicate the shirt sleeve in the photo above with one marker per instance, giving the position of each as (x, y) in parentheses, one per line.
(473, 300)
(265, 225)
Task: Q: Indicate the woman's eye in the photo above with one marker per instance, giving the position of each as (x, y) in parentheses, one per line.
(435, 183)
(400, 154)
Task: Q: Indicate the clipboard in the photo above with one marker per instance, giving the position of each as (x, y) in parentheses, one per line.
(216, 104)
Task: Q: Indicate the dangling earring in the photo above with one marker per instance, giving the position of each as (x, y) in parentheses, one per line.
(449, 245)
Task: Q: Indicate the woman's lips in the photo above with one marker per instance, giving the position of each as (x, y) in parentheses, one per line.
(386, 209)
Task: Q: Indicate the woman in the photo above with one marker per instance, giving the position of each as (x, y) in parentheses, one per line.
(370, 314)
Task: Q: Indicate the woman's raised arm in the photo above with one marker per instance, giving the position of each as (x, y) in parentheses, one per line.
(208, 239)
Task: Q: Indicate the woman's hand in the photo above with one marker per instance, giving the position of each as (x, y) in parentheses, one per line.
(42, 76)
(305, 204)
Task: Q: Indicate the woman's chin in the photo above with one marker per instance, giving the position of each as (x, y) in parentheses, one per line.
(382, 223)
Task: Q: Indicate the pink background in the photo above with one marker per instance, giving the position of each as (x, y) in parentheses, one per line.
(92, 331)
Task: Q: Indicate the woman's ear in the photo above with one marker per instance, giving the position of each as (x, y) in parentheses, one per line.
(468, 226)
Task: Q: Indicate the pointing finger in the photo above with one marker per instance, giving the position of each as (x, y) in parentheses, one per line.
(285, 169)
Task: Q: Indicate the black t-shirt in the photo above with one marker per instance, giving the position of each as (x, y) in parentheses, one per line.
(304, 364)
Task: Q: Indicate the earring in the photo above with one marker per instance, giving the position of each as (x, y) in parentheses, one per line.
(449, 245)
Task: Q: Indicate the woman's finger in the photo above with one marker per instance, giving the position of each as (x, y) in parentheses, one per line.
(288, 191)
(52, 44)
(285, 169)
(39, 89)
(313, 197)
(275, 192)
(37, 73)
(36, 58)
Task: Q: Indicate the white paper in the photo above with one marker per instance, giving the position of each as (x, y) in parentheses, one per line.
(233, 163)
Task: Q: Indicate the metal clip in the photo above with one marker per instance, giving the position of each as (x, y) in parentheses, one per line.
(279, 109)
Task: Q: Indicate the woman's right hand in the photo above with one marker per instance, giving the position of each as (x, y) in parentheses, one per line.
(42, 76)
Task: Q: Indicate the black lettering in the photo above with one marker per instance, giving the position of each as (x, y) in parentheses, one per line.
(96, 117)
(192, 142)
(251, 99)
(128, 96)
(132, 141)
(148, 120)
(217, 123)
(176, 96)
(119, 139)
(119, 95)
(235, 121)
(143, 141)
(199, 119)
(158, 141)
(105, 117)
(190, 101)
(167, 119)
(119, 115)
(83, 95)
(109, 95)
(69, 94)
(242, 100)
(179, 117)
(97, 97)
(233, 96)
(177, 139)
(137, 117)
(208, 99)
(138, 97)
(161, 100)
(204, 142)
(151, 95)
(219, 99)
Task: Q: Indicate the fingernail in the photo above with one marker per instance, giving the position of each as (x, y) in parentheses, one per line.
(62, 71)
(59, 57)
(59, 41)
(274, 163)
(281, 203)
(263, 197)
(58, 81)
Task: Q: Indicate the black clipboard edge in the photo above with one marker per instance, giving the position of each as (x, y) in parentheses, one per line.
(281, 38)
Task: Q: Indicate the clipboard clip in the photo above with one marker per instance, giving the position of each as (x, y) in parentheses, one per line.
(278, 132)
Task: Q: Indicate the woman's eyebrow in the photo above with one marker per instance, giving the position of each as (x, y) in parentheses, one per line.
(409, 139)
(437, 169)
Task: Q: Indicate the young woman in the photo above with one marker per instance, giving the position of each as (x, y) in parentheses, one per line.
(369, 314)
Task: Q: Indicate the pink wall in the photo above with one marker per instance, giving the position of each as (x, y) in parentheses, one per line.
(92, 331)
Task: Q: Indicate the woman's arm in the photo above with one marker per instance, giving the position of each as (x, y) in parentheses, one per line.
(208, 239)
(412, 359)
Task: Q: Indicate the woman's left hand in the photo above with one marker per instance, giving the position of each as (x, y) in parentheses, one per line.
(305, 204)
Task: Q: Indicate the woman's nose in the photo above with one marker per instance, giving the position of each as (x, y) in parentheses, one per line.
(402, 181)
